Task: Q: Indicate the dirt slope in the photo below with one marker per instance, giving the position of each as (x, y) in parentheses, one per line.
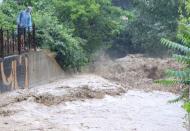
(136, 71)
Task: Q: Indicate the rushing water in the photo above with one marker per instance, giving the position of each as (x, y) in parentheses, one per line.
(134, 111)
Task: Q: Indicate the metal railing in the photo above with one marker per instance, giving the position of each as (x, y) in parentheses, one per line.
(16, 42)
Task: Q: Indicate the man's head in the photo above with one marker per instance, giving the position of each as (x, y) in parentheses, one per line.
(29, 9)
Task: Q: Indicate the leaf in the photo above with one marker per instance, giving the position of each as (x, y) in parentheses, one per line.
(186, 106)
(166, 82)
(184, 59)
(174, 45)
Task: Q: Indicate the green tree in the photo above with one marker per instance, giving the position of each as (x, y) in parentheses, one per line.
(153, 19)
(96, 21)
(182, 46)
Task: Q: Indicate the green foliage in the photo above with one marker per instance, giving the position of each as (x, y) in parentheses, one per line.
(73, 29)
(70, 55)
(182, 59)
(181, 76)
(167, 82)
(186, 106)
(176, 46)
(8, 11)
(153, 20)
(59, 38)
(183, 96)
(96, 21)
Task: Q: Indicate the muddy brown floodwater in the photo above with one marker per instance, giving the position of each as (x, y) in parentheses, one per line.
(122, 96)
(131, 110)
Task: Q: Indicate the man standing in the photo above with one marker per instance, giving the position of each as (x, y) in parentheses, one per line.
(24, 23)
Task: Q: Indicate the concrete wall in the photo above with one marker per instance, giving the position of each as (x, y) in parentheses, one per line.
(43, 68)
(28, 70)
(14, 73)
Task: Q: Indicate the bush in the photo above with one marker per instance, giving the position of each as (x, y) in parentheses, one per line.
(70, 56)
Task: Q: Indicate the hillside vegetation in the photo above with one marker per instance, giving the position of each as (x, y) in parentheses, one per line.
(78, 30)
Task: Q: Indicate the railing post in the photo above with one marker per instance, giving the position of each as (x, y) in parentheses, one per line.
(19, 40)
(34, 36)
(29, 38)
(2, 42)
(13, 41)
(24, 39)
(8, 43)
